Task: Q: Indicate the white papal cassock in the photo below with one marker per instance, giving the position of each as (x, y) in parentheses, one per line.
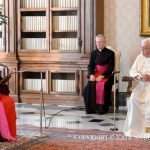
(138, 116)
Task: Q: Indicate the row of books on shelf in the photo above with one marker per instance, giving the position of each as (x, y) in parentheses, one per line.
(34, 43)
(1, 43)
(68, 44)
(65, 3)
(57, 85)
(65, 22)
(43, 3)
(1, 28)
(34, 23)
(1, 2)
(63, 85)
(34, 84)
(33, 3)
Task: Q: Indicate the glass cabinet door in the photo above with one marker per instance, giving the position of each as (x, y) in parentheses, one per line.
(64, 22)
(33, 25)
(32, 81)
(2, 27)
(63, 82)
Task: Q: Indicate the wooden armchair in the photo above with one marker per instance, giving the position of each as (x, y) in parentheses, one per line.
(129, 80)
(115, 88)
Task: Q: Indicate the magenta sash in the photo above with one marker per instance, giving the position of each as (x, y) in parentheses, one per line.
(4, 128)
(100, 92)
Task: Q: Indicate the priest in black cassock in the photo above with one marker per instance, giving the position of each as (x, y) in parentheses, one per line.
(97, 93)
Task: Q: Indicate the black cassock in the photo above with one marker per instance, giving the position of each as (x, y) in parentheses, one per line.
(103, 57)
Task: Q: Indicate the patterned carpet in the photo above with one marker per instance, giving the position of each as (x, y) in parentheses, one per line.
(10, 145)
(70, 139)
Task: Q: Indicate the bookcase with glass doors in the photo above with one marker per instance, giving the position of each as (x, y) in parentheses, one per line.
(54, 39)
(2, 27)
(7, 42)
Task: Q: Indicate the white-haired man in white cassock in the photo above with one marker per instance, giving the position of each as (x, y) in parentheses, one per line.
(137, 122)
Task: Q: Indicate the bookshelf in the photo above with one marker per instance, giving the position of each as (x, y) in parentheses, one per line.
(54, 37)
(63, 82)
(31, 81)
(32, 25)
(65, 28)
(2, 26)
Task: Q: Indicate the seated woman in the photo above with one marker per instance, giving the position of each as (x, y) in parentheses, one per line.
(7, 113)
(137, 122)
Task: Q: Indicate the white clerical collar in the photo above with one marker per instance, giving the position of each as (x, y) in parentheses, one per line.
(100, 49)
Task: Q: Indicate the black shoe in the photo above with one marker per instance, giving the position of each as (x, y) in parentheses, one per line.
(101, 112)
(90, 112)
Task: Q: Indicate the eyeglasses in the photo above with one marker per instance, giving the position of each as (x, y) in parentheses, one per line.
(145, 48)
